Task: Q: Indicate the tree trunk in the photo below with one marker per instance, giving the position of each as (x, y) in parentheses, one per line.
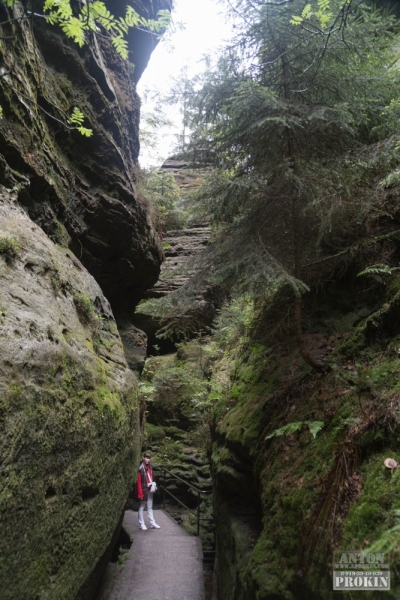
(296, 218)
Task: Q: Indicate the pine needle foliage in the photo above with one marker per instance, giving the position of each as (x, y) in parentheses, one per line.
(162, 192)
(284, 116)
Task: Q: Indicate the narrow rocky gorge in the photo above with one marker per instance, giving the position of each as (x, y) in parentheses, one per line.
(77, 252)
(291, 457)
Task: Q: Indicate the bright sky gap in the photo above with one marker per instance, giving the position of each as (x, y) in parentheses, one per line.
(206, 28)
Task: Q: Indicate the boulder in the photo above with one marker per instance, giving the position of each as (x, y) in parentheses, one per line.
(69, 445)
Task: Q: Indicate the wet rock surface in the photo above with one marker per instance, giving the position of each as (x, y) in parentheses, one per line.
(135, 345)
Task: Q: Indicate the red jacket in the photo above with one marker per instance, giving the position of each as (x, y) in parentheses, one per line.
(145, 476)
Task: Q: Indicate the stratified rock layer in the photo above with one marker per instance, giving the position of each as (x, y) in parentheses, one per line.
(68, 414)
(180, 246)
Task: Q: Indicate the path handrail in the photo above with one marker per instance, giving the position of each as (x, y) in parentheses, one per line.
(193, 487)
(186, 482)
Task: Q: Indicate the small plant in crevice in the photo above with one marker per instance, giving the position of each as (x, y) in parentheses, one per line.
(96, 341)
(9, 247)
(314, 427)
(122, 558)
(56, 282)
(85, 309)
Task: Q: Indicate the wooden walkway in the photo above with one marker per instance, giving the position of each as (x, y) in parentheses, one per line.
(163, 564)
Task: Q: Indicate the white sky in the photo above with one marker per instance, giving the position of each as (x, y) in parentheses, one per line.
(206, 28)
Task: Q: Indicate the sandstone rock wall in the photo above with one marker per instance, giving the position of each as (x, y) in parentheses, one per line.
(69, 441)
(69, 432)
(80, 190)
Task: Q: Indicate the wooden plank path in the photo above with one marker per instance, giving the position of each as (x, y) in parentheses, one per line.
(163, 564)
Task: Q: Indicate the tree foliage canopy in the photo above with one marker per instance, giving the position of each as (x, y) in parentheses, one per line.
(285, 118)
(163, 193)
(282, 110)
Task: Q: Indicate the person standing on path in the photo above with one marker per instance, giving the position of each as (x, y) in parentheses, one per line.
(146, 487)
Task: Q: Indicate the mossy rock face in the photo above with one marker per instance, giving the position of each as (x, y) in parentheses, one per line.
(284, 502)
(68, 414)
(154, 433)
(80, 190)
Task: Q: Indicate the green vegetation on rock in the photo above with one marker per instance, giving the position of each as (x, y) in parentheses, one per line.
(69, 415)
(85, 308)
(9, 247)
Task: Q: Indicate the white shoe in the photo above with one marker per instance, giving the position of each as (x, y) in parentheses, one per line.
(155, 526)
(143, 527)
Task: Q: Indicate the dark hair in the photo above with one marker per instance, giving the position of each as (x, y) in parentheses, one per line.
(147, 455)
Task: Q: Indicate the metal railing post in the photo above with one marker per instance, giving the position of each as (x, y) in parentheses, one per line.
(164, 491)
(199, 492)
(198, 513)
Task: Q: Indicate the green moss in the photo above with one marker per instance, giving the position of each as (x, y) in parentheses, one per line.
(154, 433)
(97, 342)
(371, 515)
(104, 400)
(242, 423)
(60, 235)
(393, 287)
(268, 571)
(85, 308)
(10, 248)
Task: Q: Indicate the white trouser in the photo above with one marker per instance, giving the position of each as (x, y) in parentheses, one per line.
(149, 509)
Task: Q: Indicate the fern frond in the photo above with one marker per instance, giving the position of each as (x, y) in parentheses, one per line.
(290, 428)
(85, 132)
(315, 427)
(77, 117)
(286, 429)
(121, 45)
(378, 269)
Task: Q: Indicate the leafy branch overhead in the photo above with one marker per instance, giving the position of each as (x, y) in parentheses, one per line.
(77, 119)
(94, 17)
(321, 14)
